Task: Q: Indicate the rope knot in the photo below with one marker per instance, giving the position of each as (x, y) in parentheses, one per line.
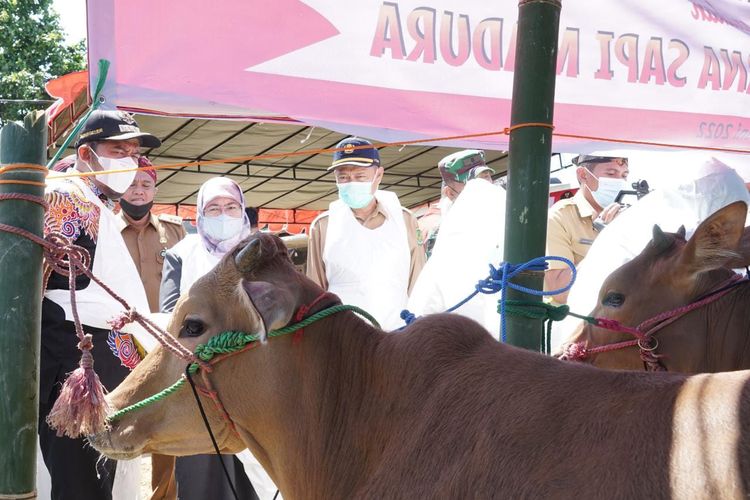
(64, 257)
(408, 316)
(118, 321)
(203, 352)
(558, 313)
(493, 283)
(575, 351)
(86, 344)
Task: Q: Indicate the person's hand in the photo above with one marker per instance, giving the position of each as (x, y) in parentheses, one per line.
(608, 214)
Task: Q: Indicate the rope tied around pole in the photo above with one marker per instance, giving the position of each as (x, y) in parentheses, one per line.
(499, 281)
(81, 408)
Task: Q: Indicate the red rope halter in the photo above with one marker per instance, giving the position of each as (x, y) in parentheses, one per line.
(644, 332)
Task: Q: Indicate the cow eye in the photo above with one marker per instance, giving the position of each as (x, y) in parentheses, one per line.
(192, 328)
(613, 299)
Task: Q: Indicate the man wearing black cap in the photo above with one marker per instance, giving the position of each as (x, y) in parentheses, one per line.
(80, 209)
(570, 222)
(364, 248)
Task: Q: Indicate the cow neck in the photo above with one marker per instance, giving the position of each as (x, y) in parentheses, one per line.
(327, 383)
(726, 339)
(323, 301)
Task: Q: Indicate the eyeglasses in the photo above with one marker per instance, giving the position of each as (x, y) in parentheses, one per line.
(232, 210)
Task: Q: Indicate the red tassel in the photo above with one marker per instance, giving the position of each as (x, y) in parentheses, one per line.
(80, 409)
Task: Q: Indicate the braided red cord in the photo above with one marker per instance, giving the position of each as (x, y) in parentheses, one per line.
(302, 313)
(214, 395)
(644, 332)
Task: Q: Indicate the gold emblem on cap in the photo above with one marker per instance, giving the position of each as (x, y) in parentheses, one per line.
(349, 148)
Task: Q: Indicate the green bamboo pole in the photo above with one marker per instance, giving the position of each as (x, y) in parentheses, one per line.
(20, 307)
(530, 151)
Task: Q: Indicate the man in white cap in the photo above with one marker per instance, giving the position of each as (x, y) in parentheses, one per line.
(571, 227)
(705, 186)
(364, 248)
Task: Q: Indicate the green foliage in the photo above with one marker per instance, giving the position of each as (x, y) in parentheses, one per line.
(32, 51)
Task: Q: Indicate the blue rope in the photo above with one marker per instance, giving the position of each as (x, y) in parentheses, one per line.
(499, 281)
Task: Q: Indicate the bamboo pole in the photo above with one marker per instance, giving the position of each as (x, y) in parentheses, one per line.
(529, 154)
(20, 306)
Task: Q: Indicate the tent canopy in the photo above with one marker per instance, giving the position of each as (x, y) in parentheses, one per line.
(294, 182)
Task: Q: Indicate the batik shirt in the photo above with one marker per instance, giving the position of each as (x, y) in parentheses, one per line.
(71, 214)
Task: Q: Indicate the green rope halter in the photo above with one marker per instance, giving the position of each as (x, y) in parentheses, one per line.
(543, 311)
(232, 341)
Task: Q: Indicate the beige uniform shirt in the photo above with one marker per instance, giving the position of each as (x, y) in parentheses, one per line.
(570, 230)
(147, 246)
(316, 268)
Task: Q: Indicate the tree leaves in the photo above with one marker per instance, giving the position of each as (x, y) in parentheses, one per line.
(32, 51)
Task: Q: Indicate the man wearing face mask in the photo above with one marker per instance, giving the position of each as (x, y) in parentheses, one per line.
(80, 209)
(570, 223)
(364, 248)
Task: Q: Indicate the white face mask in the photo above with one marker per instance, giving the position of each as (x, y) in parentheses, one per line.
(222, 227)
(119, 182)
(608, 190)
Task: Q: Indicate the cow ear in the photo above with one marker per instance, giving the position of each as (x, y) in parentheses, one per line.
(716, 242)
(274, 304)
(743, 251)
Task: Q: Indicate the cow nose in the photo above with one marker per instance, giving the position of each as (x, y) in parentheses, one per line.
(100, 440)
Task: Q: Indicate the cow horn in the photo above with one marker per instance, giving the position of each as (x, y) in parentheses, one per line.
(661, 241)
(248, 257)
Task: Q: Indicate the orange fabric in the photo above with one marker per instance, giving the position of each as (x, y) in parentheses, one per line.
(67, 88)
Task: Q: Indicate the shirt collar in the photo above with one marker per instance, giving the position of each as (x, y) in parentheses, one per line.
(582, 204)
(89, 182)
(378, 210)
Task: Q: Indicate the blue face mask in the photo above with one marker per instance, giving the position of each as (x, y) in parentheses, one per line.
(608, 190)
(356, 194)
(222, 227)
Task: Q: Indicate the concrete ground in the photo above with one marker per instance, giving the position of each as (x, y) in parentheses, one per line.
(145, 492)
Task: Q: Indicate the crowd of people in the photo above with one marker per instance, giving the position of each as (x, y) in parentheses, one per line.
(366, 248)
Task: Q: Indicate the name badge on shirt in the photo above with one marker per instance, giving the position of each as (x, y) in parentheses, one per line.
(586, 241)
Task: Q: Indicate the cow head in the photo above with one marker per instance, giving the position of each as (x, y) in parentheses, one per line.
(254, 289)
(670, 272)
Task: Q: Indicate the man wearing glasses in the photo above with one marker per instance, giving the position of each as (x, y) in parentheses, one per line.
(364, 248)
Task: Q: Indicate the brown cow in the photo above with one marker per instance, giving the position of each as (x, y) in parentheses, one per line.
(670, 273)
(439, 410)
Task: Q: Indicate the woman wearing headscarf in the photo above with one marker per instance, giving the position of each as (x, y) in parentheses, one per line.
(222, 224)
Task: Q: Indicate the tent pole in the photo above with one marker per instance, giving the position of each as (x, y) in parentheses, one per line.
(529, 151)
(20, 305)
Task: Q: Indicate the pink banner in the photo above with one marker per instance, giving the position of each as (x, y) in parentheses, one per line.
(673, 72)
